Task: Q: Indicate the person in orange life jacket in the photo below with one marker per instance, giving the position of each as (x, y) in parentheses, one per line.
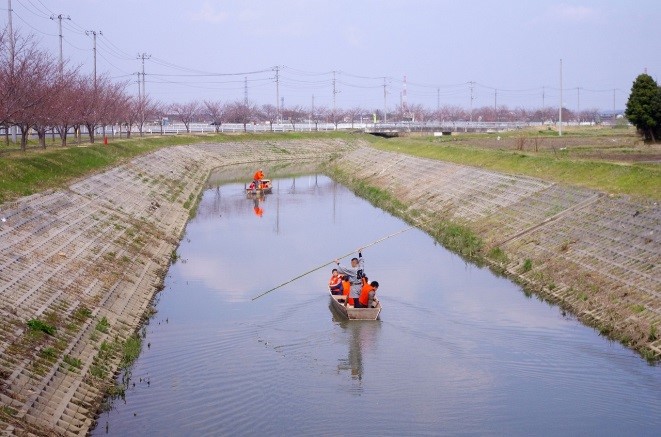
(257, 179)
(367, 293)
(335, 283)
(346, 289)
(355, 273)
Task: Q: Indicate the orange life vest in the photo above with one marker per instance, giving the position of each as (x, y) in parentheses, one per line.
(334, 280)
(346, 288)
(365, 294)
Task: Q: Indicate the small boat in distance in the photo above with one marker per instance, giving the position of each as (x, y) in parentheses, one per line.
(265, 187)
(338, 304)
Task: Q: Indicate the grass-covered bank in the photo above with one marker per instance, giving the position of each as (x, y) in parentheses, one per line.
(532, 153)
(457, 237)
(25, 173)
(579, 165)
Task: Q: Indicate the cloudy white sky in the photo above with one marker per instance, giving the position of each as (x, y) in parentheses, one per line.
(509, 49)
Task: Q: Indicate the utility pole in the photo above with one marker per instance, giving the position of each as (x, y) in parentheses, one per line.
(405, 99)
(245, 90)
(334, 93)
(312, 110)
(60, 17)
(94, 33)
(11, 36)
(578, 104)
(438, 99)
(277, 92)
(613, 102)
(471, 83)
(143, 56)
(495, 104)
(543, 92)
(385, 101)
(560, 110)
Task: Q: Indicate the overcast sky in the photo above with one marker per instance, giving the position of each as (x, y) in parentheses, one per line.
(510, 49)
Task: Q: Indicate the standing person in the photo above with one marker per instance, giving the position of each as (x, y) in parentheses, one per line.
(355, 274)
(257, 179)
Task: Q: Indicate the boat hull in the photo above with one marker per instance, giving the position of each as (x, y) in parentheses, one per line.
(351, 313)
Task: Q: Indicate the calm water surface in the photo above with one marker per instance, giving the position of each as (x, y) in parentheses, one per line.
(457, 350)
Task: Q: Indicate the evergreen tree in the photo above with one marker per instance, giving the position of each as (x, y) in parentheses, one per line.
(644, 107)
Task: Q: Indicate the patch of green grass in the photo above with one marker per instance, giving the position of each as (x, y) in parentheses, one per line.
(82, 313)
(527, 265)
(38, 325)
(130, 350)
(73, 362)
(457, 238)
(48, 353)
(638, 308)
(8, 411)
(497, 254)
(103, 325)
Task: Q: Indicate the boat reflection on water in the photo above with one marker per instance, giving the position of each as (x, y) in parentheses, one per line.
(257, 202)
(361, 336)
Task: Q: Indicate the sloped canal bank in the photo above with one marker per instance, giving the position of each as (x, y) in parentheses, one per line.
(458, 350)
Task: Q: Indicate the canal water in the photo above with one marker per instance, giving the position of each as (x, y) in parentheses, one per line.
(458, 350)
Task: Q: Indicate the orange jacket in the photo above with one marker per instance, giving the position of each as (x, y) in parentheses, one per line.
(334, 280)
(258, 176)
(365, 294)
(346, 285)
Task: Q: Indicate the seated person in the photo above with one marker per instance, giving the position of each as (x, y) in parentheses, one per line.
(367, 294)
(346, 289)
(335, 283)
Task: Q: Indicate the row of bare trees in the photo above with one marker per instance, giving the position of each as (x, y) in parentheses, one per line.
(39, 94)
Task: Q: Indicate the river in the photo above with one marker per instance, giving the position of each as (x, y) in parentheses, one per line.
(457, 351)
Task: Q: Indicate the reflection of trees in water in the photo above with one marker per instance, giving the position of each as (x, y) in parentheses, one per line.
(361, 336)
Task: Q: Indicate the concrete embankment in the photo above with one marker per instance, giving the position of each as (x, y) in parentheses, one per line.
(596, 255)
(79, 268)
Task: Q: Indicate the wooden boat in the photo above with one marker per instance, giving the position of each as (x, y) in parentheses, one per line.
(266, 187)
(351, 313)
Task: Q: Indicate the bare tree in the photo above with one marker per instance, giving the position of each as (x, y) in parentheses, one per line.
(186, 112)
(294, 114)
(216, 111)
(239, 112)
(269, 113)
(353, 114)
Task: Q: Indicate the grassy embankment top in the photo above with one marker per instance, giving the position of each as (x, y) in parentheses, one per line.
(609, 160)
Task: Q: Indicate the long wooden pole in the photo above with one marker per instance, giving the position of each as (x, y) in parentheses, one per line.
(333, 260)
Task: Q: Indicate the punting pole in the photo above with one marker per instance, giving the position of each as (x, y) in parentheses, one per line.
(333, 260)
